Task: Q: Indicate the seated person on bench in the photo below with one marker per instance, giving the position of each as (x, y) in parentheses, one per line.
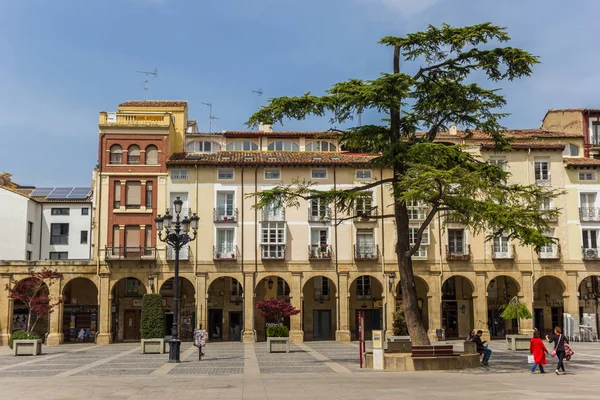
(481, 348)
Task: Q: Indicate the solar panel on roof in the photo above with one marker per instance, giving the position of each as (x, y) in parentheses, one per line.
(79, 193)
(60, 193)
(42, 191)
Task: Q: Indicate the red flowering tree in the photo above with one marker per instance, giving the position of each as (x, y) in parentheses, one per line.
(33, 292)
(275, 310)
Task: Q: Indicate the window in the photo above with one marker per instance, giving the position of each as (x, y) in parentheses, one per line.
(319, 210)
(225, 243)
(456, 241)
(363, 287)
(548, 250)
(116, 154)
(236, 288)
(59, 234)
(542, 171)
(590, 238)
(596, 133)
(501, 246)
(272, 173)
(84, 237)
(117, 200)
(28, 256)
(364, 206)
(148, 238)
(202, 146)
(273, 237)
(179, 174)
(134, 195)
(318, 173)
(545, 203)
(85, 211)
(416, 210)
(59, 211)
(149, 194)
(29, 232)
(151, 155)
(412, 237)
(499, 161)
(59, 255)
(321, 288)
(274, 212)
(133, 154)
(571, 150)
(240, 145)
(587, 175)
(320, 146)
(364, 174)
(283, 289)
(225, 174)
(225, 206)
(283, 145)
(365, 243)
(319, 236)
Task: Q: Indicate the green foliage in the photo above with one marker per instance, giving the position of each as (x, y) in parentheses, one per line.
(515, 310)
(278, 331)
(399, 323)
(21, 335)
(153, 317)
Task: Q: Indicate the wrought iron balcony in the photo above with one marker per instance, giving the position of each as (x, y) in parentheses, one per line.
(130, 253)
(543, 181)
(366, 253)
(320, 214)
(507, 253)
(550, 254)
(272, 251)
(366, 215)
(589, 214)
(590, 253)
(458, 253)
(184, 253)
(225, 214)
(319, 252)
(273, 215)
(225, 253)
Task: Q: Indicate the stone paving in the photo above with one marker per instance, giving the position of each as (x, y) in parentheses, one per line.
(312, 370)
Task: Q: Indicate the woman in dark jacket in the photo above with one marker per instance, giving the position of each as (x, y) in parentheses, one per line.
(559, 345)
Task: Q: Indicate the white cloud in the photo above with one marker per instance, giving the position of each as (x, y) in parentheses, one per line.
(405, 7)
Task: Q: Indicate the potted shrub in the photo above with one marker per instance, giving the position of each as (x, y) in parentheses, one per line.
(516, 310)
(274, 311)
(33, 292)
(153, 324)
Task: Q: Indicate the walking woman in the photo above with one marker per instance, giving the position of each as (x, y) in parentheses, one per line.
(559, 348)
(538, 349)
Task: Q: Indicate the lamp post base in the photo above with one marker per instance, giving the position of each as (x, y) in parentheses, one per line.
(174, 347)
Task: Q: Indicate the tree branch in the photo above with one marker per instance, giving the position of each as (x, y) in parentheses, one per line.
(422, 228)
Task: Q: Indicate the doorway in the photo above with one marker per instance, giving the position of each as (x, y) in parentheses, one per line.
(322, 324)
(450, 319)
(215, 324)
(538, 319)
(131, 330)
(235, 326)
(372, 322)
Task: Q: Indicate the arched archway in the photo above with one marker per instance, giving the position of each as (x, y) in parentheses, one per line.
(319, 311)
(500, 291)
(589, 306)
(548, 304)
(422, 300)
(225, 309)
(270, 286)
(126, 309)
(457, 306)
(366, 294)
(187, 307)
(20, 312)
(80, 311)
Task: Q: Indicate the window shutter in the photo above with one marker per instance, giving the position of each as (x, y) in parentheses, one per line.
(134, 193)
(132, 236)
(117, 191)
(116, 237)
(151, 155)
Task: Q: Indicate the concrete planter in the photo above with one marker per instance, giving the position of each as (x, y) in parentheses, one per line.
(517, 342)
(27, 347)
(153, 346)
(399, 344)
(278, 344)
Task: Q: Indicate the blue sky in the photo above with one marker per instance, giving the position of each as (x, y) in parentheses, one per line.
(64, 61)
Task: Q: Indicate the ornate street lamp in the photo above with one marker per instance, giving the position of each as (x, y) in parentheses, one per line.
(176, 235)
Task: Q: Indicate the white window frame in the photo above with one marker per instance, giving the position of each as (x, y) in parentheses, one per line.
(542, 178)
(500, 161)
(585, 172)
(501, 246)
(179, 174)
(251, 145)
(362, 171)
(272, 170)
(312, 173)
(220, 249)
(425, 241)
(226, 170)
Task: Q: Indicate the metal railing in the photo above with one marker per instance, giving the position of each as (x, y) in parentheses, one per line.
(458, 252)
(225, 214)
(366, 215)
(550, 255)
(590, 253)
(269, 215)
(366, 253)
(319, 252)
(184, 253)
(272, 251)
(589, 214)
(543, 182)
(130, 253)
(225, 253)
(320, 214)
(506, 254)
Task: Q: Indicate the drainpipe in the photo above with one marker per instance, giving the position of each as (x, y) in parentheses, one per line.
(197, 210)
(441, 276)
(337, 274)
(41, 230)
(91, 210)
(530, 247)
(255, 249)
(385, 283)
(242, 219)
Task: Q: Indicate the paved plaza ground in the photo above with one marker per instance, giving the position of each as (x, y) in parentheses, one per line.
(313, 370)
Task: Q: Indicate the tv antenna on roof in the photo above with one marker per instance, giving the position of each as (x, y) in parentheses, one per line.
(148, 73)
(259, 92)
(210, 116)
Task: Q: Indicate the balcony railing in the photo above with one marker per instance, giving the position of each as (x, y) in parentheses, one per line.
(508, 253)
(130, 253)
(135, 119)
(547, 254)
(319, 252)
(366, 215)
(268, 215)
(236, 298)
(543, 181)
(322, 214)
(590, 253)
(184, 253)
(225, 253)
(457, 253)
(366, 253)
(589, 214)
(225, 214)
(272, 251)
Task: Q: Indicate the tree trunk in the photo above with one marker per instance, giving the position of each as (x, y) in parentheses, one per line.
(414, 322)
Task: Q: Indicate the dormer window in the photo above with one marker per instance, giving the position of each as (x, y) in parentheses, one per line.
(116, 154)
(133, 154)
(283, 145)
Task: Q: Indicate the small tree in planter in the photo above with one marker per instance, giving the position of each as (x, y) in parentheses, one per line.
(153, 324)
(274, 312)
(33, 292)
(515, 310)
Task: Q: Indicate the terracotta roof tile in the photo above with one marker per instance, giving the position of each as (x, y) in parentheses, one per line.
(527, 146)
(154, 103)
(271, 158)
(25, 192)
(582, 162)
(512, 133)
(279, 134)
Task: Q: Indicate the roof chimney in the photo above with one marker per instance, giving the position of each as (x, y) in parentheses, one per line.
(265, 127)
(453, 130)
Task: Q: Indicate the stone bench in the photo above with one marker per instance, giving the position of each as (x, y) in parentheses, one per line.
(470, 347)
(517, 342)
(399, 344)
(445, 350)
